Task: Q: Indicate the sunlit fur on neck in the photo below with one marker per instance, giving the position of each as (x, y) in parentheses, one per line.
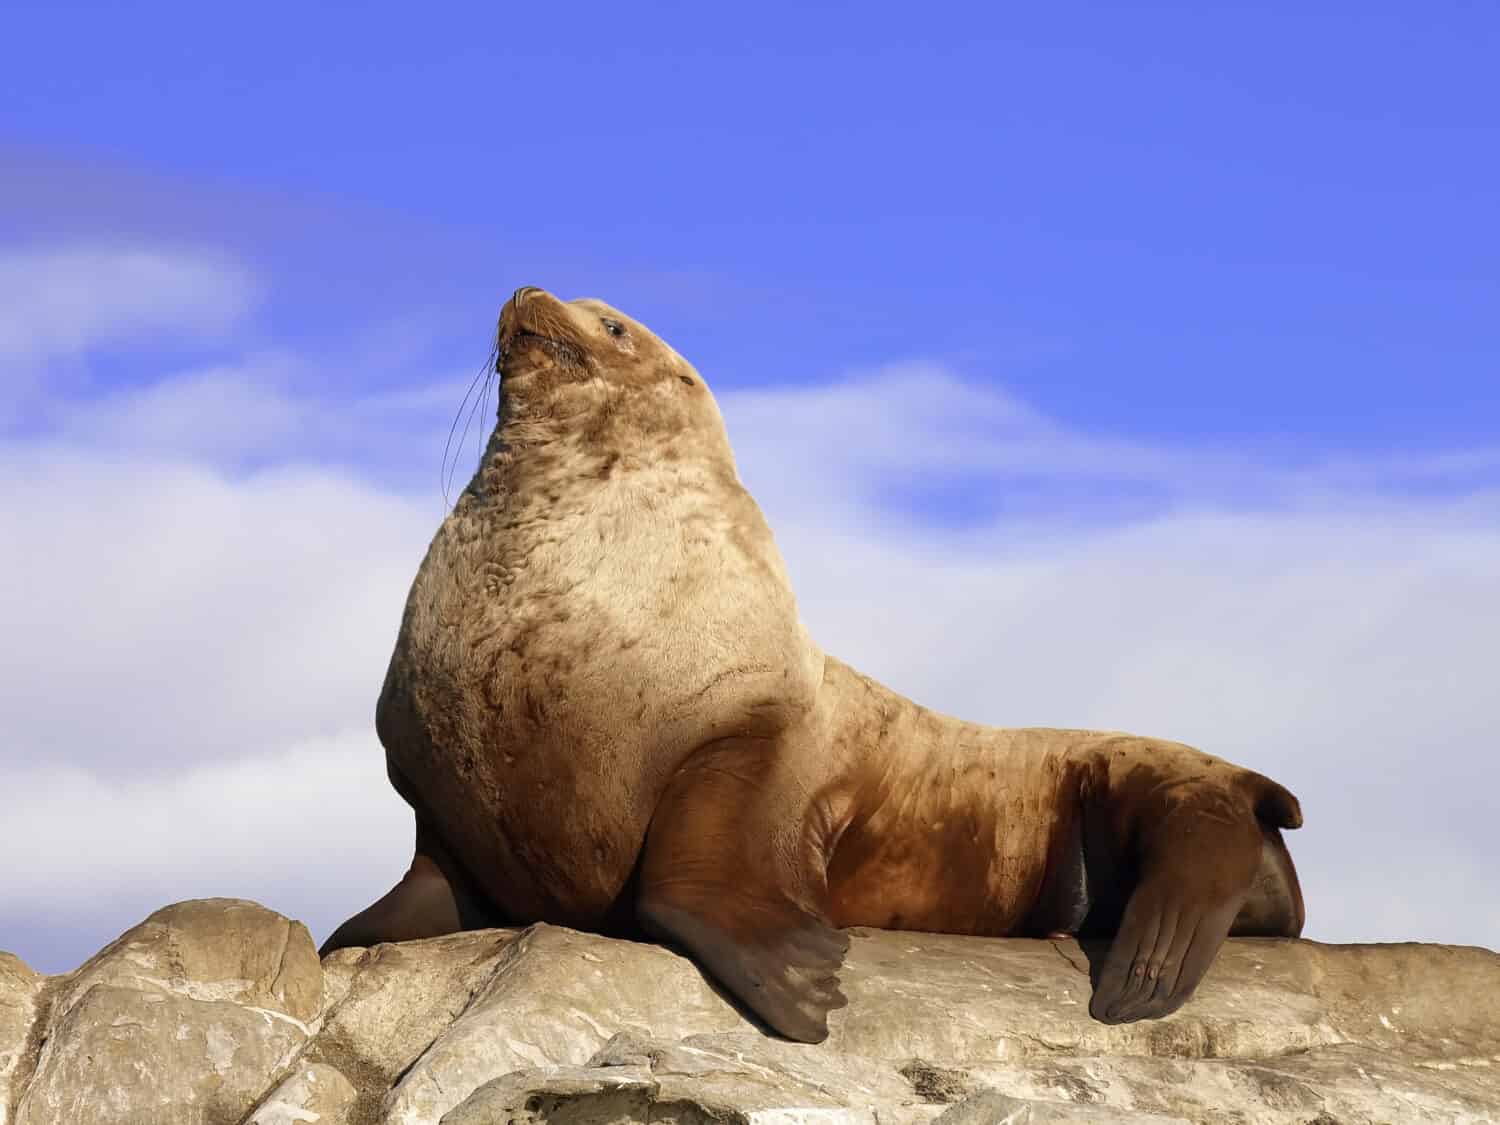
(568, 424)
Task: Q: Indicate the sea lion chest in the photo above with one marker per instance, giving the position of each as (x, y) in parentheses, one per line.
(565, 646)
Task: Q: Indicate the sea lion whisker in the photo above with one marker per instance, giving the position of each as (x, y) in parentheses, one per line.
(469, 421)
(445, 475)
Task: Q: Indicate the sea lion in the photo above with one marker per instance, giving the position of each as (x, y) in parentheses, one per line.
(604, 708)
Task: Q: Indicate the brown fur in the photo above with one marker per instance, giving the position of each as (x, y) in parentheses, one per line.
(602, 702)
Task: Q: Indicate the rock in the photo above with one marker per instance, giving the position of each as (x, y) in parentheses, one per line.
(939, 996)
(119, 1051)
(186, 1018)
(705, 1079)
(735, 1076)
(765, 1069)
(990, 1108)
(555, 998)
(216, 949)
(20, 989)
(1346, 1085)
(315, 1092)
(624, 1094)
(715, 1083)
(386, 1005)
(218, 1012)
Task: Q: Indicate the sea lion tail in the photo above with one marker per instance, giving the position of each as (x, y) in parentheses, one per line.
(1274, 804)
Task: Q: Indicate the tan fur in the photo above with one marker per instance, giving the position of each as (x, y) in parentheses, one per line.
(601, 675)
(603, 599)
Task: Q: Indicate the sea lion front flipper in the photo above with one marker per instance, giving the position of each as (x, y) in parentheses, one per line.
(1197, 863)
(734, 876)
(790, 981)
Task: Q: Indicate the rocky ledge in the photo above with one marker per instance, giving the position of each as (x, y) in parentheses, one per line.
(217, 1012)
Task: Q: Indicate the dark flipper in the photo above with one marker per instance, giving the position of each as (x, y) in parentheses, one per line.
(1197, 864)
(789, 978)
(1165, 944)
(433, 898)
(1273, 907)
(736, 876)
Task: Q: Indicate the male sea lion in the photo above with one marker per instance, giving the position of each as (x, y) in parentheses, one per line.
(603, 705)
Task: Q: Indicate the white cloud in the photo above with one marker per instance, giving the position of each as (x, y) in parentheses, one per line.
(161, 613)
(270, 409)
(184, 828)
(193, 656)
(919, 415)
(58, 302)
(841, 443)
(310, 828)
(221, 416)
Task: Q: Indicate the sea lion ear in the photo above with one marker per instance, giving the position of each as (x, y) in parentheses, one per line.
(1274, 804)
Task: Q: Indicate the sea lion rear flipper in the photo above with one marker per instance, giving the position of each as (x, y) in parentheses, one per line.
(433, 898)
(1274, 906)
(730, 875)
(1275, 804)
(1197, 863)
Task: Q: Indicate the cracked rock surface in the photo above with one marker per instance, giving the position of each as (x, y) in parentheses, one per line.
(217, 1012)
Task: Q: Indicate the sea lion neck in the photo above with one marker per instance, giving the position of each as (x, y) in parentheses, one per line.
(578, 445)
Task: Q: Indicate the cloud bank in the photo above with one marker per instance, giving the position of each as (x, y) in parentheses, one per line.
(205, 576)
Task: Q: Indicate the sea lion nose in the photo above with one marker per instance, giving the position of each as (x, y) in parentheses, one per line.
(512, 309)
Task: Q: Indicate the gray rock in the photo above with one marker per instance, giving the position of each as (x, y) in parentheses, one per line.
(555, 998)
(20, 989)
(639, 1095)
(990, 1108)
(211, 949)
(124, 1055)
(386, 1005)
(209, 1009)
(187, 1018)
(314, 1092)
(561, 1093)
(939, 996)
(1279, 1033)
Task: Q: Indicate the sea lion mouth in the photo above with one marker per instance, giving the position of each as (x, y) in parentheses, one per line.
(525, 340)
(527, 324)
(524, 336)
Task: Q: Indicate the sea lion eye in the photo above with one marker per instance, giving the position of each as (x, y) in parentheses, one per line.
(613, 327)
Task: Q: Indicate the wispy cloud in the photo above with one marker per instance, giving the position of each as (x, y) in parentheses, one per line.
(265, 410)
(57, 302)
(863, 440)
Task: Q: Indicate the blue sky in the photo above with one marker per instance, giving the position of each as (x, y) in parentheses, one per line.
(1162, 338)
(1267, 221)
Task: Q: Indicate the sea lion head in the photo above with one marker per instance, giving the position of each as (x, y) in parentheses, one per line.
(588, 368)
